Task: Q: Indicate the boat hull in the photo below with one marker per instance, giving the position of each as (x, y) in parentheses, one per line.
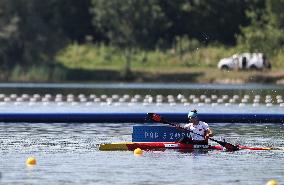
(155, 146)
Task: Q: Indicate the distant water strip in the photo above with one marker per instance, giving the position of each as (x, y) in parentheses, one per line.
(135, 118)
(251, 86)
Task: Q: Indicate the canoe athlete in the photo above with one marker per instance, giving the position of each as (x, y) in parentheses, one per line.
(200, 131)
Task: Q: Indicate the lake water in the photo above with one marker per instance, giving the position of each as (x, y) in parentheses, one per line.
(67, 153)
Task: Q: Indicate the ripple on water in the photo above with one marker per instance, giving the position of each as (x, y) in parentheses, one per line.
(68, 154)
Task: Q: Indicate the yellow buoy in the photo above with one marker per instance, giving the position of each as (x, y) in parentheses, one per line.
(31, 161)
(272, 182)
(138, 151)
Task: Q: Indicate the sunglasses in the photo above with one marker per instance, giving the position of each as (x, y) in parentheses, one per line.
(192, 117)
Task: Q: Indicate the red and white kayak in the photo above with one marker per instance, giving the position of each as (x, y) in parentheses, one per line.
(166, 145)
(155, 146)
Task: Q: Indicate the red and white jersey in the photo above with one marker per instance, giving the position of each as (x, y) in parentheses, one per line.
(200, 128)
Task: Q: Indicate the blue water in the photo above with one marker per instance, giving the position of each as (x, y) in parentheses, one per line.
(128, 86)
(67, 153)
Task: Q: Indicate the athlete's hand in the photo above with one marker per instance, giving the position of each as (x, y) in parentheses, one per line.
(206, 137)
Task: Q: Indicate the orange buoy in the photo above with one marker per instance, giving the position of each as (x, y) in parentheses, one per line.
(138, 151)
(272, 182)
(31, 161)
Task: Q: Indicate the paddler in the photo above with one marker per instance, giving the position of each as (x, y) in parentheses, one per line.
(200, 131)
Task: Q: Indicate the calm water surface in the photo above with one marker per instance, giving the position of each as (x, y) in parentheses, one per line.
(68, 153)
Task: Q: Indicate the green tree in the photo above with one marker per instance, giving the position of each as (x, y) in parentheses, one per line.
(30, 32)
(75, 19)
(129, 24)
(206, 20)
(265, 33)
(275, 12)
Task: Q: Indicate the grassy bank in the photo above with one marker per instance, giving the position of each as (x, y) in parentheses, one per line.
(93, 63)
(180, 64)
(103, 57)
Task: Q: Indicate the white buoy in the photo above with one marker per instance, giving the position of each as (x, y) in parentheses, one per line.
(246, 96)
(121, 100)
(180, 96)
(236, 97)
(19, 99)
(115, 96)
(70, 96)
(268, 97)
(137, 96)
(103, 96)
(195, 100)
(70, 99)
(133, 100)
(268, 101)
(279, 101)
(207, 100)
(57, 99)
(232, 101)
(220, 100)
(83, 100)
(97, 100)
(13, 96)
(127, 96)
(92, 96)
(2, 96)
(7, 99)
(244, 100)
(25, 96)
(225, 97)
(48, 96)
(256, 100)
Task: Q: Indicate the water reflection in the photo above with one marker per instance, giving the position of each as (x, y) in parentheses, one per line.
(60, 137)
(68, 153)
(71, 150)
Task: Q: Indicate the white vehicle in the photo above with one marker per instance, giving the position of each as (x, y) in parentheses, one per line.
(254, 61)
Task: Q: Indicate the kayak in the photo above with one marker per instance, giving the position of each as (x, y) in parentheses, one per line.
(155, 146)
(130, 146)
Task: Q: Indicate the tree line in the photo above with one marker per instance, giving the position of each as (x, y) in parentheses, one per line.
(33, 31)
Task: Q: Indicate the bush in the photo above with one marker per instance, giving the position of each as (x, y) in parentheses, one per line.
(266, 39)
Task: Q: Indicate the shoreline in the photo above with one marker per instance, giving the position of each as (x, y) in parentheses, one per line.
(175, 75)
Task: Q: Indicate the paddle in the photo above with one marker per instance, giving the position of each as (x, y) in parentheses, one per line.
(158, 118)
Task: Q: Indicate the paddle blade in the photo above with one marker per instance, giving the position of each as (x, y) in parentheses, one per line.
(155, 117)
(228, 146)
(231, 147)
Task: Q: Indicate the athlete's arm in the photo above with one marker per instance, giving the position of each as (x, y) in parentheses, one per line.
(208, 133)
